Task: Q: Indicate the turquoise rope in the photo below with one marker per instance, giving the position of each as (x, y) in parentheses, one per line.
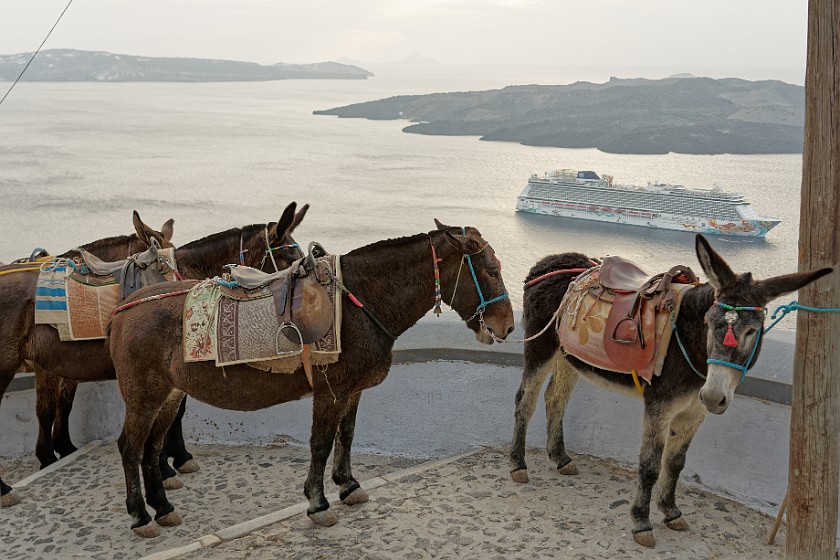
(793, 306)
(222, 282)
(83, 270)
(481, 306)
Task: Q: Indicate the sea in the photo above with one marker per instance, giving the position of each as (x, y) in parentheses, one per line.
(77, 158)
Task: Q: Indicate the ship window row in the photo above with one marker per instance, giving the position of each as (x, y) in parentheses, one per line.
(640, 201)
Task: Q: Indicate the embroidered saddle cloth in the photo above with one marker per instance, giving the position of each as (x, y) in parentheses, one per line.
(616, 317)
(78, 296)
(266, 326)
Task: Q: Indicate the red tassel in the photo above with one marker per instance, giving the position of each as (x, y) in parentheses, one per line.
(729, 340)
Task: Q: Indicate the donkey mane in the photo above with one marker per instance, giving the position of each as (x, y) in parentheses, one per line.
(225, 236)
(395, 243)
(108, 242)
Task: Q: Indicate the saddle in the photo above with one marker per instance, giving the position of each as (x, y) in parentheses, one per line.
(301, 302)
(132, 273)
(625, 313)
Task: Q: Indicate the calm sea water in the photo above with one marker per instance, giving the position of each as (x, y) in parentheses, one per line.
(77, 158)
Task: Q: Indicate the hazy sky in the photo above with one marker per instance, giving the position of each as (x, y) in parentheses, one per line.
(687, 34)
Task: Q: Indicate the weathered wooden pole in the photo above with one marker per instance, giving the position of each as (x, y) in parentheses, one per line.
(815, 411)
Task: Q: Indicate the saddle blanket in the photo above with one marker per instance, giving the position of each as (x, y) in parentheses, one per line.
(80, 305)
(220, 327)
(585, 311)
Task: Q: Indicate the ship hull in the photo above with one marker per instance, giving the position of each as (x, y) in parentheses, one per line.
(744, 228)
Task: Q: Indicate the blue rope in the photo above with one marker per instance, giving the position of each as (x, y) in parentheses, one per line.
(222, 282)
(793, 306)
(481, 306)
(83, 270)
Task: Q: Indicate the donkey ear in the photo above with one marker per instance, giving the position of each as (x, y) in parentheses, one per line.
(440, 225)
(463, 243)
(144, 232)
(719, 274)
(166, 230)
(298, 218)
(780, 285)
(278, 230)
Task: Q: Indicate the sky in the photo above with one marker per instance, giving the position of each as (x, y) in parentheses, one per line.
(723, 37)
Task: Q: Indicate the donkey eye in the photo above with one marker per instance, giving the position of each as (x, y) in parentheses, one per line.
(749, 332)
(493, 273)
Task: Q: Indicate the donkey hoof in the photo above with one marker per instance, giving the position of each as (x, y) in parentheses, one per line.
(148, 531)
(645, 538)
(172, 483)
(9, 499)
(188, 467)
(324, 518)
(678, 524)
(171, 519)
(357, 496)
(520, 476)
(568, 469)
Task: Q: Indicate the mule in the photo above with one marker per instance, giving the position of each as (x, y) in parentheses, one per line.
(259, 245)
(263, 246)
(395, 282)
(18, 333)
(676, 402)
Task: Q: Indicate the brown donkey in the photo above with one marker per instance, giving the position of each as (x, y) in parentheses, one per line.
(695, 381)
(393, 279)
(20, 337)
(268, 246)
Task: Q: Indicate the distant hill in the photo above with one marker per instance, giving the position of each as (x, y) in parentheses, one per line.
(66, 65)
(638, 116)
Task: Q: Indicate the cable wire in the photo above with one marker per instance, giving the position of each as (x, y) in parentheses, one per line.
(36, 52)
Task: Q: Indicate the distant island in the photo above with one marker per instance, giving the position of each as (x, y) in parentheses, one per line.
(682, 114)
(67, 65)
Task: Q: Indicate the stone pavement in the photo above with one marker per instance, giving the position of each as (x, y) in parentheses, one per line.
(464, 507)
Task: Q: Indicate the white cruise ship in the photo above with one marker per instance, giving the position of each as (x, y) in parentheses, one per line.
(585, 195)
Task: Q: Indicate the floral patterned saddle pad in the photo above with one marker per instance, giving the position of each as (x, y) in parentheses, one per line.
(616, 330)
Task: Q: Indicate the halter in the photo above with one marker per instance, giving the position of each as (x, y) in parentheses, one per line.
(479, 309)
(483, 303)
(269, 252)
(729, 340)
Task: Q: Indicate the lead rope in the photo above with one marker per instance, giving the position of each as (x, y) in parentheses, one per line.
(270, 253)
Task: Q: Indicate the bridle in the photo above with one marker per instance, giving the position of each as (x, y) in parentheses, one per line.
(483, 303)
(731, 317)
(269, 251)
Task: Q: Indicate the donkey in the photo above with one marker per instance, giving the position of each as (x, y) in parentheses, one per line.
(675, 403)
(263, 246)
(18, 331)
(259, 245)
(394, 281)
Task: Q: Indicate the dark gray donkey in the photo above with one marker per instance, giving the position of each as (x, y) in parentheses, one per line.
(676, 402)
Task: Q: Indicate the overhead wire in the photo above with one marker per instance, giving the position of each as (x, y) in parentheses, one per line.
(35, 53)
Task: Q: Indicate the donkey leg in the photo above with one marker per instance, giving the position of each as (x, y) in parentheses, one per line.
(8, 497)
(350, 491)
(533, 376)
(682, 431)
(46, 402)
(135, 432)
(165, 514)
(61, 429)
(654, 433)
(557, 396)
(326, 416)
(174, 445)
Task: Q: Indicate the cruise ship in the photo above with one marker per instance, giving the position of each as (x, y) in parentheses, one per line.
(585, 195)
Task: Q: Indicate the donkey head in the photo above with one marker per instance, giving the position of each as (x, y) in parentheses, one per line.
(272, 248)
(479, 296)
(735, 322)
(145, 234)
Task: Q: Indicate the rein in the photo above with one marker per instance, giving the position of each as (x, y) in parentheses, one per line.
(269, 252)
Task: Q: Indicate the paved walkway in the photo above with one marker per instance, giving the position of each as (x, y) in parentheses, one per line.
(463, 507)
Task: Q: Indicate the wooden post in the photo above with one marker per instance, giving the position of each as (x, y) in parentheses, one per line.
(815, 411)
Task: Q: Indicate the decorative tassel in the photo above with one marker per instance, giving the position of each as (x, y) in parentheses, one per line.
(730, 340)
